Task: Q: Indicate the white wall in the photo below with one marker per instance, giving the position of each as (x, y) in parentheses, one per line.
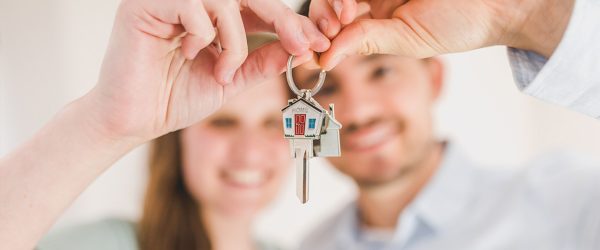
(50, 53)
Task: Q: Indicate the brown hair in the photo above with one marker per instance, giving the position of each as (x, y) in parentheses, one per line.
(171, 216)
(170, 219)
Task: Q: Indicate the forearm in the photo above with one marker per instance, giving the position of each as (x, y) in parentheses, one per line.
(570, 75)
(42, 177)
(542, 27)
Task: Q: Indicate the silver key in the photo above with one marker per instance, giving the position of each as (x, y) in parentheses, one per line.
(310, 129)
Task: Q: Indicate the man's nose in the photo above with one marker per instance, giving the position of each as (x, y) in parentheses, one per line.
(357, 104)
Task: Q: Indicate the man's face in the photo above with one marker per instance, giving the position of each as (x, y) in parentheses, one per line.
(384, 104)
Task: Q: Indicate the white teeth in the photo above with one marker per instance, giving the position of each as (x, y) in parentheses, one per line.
(246, 177)
(373, 138)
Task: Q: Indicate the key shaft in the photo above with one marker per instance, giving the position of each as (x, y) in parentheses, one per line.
(302, 168)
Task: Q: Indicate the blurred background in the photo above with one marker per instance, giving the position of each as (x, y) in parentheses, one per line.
(51, 51)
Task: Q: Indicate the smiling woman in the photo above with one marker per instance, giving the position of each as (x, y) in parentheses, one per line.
(207, 182)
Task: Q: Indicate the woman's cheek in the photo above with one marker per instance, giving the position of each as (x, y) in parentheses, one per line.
(205, 154)
(282, 156)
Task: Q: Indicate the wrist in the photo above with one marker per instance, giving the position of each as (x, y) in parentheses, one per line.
(538, 25)
(96, 126)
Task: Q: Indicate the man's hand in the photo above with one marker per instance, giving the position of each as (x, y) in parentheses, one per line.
(161, 72)
(424, 28)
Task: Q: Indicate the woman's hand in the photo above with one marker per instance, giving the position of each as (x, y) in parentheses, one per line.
(161, 72)
(424, 28)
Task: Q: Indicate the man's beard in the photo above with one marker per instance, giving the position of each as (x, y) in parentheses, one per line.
(405, 170)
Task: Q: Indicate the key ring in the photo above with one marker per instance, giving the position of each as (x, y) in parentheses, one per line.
(292, 84)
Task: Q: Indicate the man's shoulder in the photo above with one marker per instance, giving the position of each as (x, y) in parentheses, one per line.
(323, 236)
(104, 234)
(570, 170)
(556, 182)
(564, 174)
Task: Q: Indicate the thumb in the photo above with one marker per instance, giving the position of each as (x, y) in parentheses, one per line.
(378, 36)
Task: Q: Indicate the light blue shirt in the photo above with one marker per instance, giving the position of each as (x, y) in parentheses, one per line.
(552, 204)
(571, 76)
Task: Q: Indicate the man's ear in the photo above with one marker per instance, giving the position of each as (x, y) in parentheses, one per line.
(435, 66)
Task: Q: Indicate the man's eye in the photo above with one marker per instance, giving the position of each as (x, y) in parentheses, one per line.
(223, 122)
(380, 72)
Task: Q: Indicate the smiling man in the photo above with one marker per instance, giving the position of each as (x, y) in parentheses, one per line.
(418, 192)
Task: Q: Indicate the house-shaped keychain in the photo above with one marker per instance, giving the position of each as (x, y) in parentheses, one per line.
(305, 122)
(311, 130)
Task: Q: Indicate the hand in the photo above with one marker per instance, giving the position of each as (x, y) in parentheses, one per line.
(158, 74)
(424, 28)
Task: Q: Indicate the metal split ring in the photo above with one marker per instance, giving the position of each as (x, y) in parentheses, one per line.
(292, 84)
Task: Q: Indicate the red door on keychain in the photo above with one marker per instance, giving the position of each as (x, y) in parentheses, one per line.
(300, 121)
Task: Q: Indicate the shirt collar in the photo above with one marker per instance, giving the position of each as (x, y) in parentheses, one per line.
(437, 205)
(448, 192)
(441, 201)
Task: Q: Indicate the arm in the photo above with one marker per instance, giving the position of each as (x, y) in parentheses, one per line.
(425, 28)
(42, 177)
(159, 74)
(553, 42)
(570, 76)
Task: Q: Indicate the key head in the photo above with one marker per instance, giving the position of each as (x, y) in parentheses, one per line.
(302, 119)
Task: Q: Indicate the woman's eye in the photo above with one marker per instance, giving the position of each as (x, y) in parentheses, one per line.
(223, 122)
(273, 123)
(380, 72)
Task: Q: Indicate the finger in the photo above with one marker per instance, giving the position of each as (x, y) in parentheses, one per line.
(198, 27)
(321, 13)
(380, 36)
(363, 10)
(232, 37)
(381, 9)
(170, 20)
(153, 26)
(287, 24)
(253, 23)
(262, 64)
(345, 10)
(314, 36)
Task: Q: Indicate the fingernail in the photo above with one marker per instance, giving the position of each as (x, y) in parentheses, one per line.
(337, 7)
(323, 24)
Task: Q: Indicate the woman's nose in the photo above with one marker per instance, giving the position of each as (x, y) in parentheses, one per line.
(249, 148)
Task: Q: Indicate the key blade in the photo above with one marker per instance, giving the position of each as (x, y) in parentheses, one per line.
(302, 175)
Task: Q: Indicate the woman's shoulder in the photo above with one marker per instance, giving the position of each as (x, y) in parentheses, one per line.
(111, 234)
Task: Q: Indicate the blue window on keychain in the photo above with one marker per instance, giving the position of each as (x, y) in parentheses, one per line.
(288, 122)
(311, 123)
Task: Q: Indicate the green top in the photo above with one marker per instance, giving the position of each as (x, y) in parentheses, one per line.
(108, 234)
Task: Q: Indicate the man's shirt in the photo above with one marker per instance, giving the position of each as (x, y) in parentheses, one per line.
(552, 204)
(571, 76)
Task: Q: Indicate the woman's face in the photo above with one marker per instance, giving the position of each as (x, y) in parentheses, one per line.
(235, 159)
